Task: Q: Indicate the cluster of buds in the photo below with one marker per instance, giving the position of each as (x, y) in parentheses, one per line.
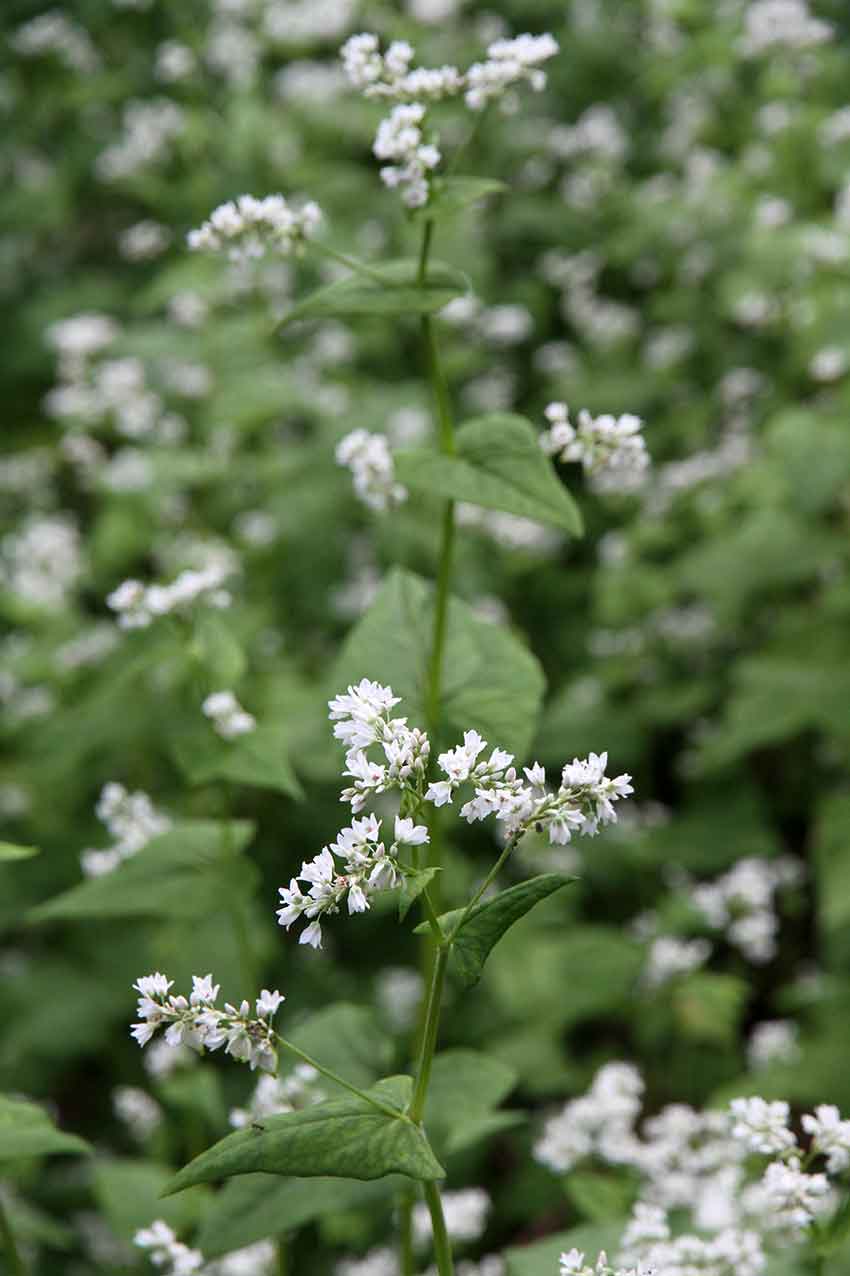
(361, 718)
(368, 865)
(610, 449)
(246, 228)
(583, 802)
(199, 1023)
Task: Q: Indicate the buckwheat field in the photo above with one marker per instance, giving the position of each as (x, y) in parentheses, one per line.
(425, 630)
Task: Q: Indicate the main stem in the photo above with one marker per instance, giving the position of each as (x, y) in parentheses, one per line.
(16, 1263)
(442, 1245)
(429, 1036)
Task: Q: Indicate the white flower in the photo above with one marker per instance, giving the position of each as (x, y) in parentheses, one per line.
(508, 63)
(248, 227)
(400, 139)
(762, 1126)
(228, 717)
(369, 458)
(166, 1251)
(410, 834)
(138, 605)
(773, 1041)
(670, 956)
(139, 1112)
(197, 1022)
(465, 1213)
(131, 819)
(794, 1197)
(774, 24)
(610, 449)
(830, 1136)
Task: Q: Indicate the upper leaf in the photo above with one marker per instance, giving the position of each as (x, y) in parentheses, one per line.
(348, 1138)
(11, 851)
(26, 1131)
(498, 464)
(451, 195)
(475, 938)
(491, 681)
(184, 872)
(390, 289)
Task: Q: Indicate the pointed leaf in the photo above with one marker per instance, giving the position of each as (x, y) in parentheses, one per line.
(396, 292)
(184, 872)
(498, 464)
(26, 1131)
(491, 681)
(476, 937)
(349, 1040)
(348, 1138)
(10, 851)
(415, 881)
(451, 195)
(259, 758)
(465, 1088)
(255, 1206)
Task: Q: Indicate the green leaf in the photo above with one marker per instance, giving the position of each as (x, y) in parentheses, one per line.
(128, 1193)
(217, 648)
(599, 1195)
(259, 758)
(349, 1138)
(182, 873)
(397, 292)
(10, 851)
(349, 1040)
(498, 464)
(491, 681)
(541, 1258)
(465, 1088)
(415, 881)
(255, 1206)
(451, 195)
(476, 937)
(26, 1131)
(709, 1006)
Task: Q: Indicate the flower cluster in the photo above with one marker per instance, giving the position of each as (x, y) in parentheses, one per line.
(361, 718)
(670, 956)
(773, 1041)
(772, 24)
(400, 140)
(199, 1023)
(41, 561)
(601, 1119)
(131, 819)
(138, 605)
(247, 227)
(465, 1214)
(583, 802)
(166, 1251)
(367, 866)
(402, 137)
(226, 714)
(370, 460)
(741, 903)
(611, 450)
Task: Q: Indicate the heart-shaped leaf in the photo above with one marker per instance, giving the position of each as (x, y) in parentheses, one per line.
(390, 289)
(347, 1138)
(27, 1131)
(498, 464)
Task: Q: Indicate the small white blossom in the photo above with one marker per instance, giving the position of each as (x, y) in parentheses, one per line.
(138, 605)
(830, 1136)
(669, 957)
(166, 1252)
(611, 450)
(762, 1126)
(509, 63)
(370, 460)
(793, 1197)
(773, 1041)
(274, 1096)
(465, 1213)
(248, 227)
(228, 717)
(199, 1023)
(132, 821)
(139, 1112)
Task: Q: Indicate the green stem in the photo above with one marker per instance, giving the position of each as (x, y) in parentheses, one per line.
(491, 876)
(429, 1036)
(282, 1255)
(406, 1256)
(16, 1263)
(442, 1246)
(333, 1076)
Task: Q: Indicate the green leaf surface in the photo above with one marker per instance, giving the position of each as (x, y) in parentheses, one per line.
(259, 759)
(452, 195)
(184, 872)
(541, 1258)
(255, 1206)
(9, 851)
(415, 881)
(498, 464)
(599, 1195)
(397, 292)
(348, 1138)
(477, 936)
(491, 681)
(27, 1131)
(349, 1040)
(466, 1088)
(218, 649)
(128, 1193)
